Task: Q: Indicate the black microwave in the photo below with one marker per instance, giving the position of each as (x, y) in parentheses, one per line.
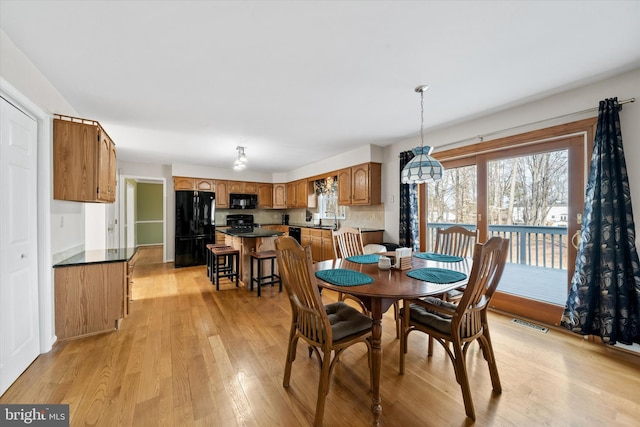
(243, 201)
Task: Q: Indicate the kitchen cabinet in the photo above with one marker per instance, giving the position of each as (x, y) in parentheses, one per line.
(373, 237)
(298, 194)
(305, 237)
(183, 183)
(92, 292)
(222, 194)
(279, 196)
(241, 187)
(205, 185)
(84, 161)
(291, 195)
(327, 245)
(360, 185)
(321, 243)
(195, 184)
(302, 194)
(265, 195)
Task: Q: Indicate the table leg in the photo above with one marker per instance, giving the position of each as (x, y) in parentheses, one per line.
(376, 349)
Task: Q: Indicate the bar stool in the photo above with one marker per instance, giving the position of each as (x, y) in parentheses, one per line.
(269, 279)
(210, 265)
(230, 267)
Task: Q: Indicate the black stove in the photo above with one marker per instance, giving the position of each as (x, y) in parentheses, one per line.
(240, 223)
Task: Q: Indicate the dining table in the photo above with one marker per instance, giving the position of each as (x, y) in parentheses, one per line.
(387, 287)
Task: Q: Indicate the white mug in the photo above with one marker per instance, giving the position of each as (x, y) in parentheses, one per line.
(384, 263)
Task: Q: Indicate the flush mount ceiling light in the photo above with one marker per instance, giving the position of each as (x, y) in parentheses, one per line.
(241, 160)
(422, 168)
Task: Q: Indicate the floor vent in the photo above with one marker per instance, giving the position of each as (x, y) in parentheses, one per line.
(530, 325)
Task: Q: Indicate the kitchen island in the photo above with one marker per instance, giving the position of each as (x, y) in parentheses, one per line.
(257, 239)
(92, 291)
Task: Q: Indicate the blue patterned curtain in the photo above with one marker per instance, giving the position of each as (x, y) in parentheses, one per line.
(604, 298)
(409, 236)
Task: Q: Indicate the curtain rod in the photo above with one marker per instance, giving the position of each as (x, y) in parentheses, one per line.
(481, 137)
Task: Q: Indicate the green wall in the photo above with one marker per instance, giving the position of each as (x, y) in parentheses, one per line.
(149, 202)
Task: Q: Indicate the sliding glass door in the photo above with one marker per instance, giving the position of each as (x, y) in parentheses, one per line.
(528, 188)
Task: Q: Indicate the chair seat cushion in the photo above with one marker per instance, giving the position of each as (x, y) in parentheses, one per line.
(346, 320)
(438, 321)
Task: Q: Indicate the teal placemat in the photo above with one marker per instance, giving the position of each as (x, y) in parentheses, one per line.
(344, 277)
(438, 257)
(364, 259)
(436, 275)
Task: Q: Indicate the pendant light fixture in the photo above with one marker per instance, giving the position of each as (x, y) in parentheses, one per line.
(422, 168)
(241, 159)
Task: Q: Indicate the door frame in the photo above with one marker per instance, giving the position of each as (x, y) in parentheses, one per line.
(122, 193)
(44, 174)
(535, 310)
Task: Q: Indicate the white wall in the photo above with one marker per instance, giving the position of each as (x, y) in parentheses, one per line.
(67, 218)
(624, 86)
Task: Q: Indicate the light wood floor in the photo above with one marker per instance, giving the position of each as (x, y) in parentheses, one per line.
(190, 356)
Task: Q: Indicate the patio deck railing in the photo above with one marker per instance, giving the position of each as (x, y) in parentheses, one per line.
(530, 245)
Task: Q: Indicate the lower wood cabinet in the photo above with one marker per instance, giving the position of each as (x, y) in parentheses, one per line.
(90, 298)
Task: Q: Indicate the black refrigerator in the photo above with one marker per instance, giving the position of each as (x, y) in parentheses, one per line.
(195, 226)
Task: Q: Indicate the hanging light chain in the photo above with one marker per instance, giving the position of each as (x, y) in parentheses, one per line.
(422, 118)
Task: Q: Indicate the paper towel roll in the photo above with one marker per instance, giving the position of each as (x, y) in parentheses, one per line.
(316, 219)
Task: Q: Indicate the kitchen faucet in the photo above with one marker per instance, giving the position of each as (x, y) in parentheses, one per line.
(335, 221)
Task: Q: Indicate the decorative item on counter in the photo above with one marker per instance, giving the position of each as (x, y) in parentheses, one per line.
(403, 258)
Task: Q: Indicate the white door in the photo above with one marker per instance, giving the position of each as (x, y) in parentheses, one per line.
(19, 331)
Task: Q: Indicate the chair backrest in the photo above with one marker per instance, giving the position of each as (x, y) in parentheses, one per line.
(455, 240)
(296, 271)
(488, 264)
(347, 242)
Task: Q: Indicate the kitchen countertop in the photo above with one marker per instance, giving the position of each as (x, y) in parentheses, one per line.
(98, 256)
(257, 232)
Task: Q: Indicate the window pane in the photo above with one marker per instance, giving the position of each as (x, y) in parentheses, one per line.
(452, 200)
(527, 203)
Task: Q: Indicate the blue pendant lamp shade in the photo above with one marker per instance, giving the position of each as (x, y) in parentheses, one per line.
(422, 168)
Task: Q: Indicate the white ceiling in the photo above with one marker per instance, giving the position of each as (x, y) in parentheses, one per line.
(299, 81)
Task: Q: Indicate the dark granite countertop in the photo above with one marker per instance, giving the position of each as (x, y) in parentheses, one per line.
(98, 256)
(257, 232)
(330, 227)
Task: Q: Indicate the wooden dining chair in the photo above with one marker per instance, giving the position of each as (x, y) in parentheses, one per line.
(457, 241)
(327, 329)
(463, 323)
(347, 241)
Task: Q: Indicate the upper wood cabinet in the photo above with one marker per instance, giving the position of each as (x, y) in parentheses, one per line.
(195, 184)
(298, 194)
(84, 161)
(222, 194)
(265, 195)
(344, 187)
(241, 187)
(279, 196)
(302, 193)
(205, 184)
(183, 183)
(360, 185)
(291, 195)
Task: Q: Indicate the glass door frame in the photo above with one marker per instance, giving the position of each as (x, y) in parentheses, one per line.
(577, 137)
